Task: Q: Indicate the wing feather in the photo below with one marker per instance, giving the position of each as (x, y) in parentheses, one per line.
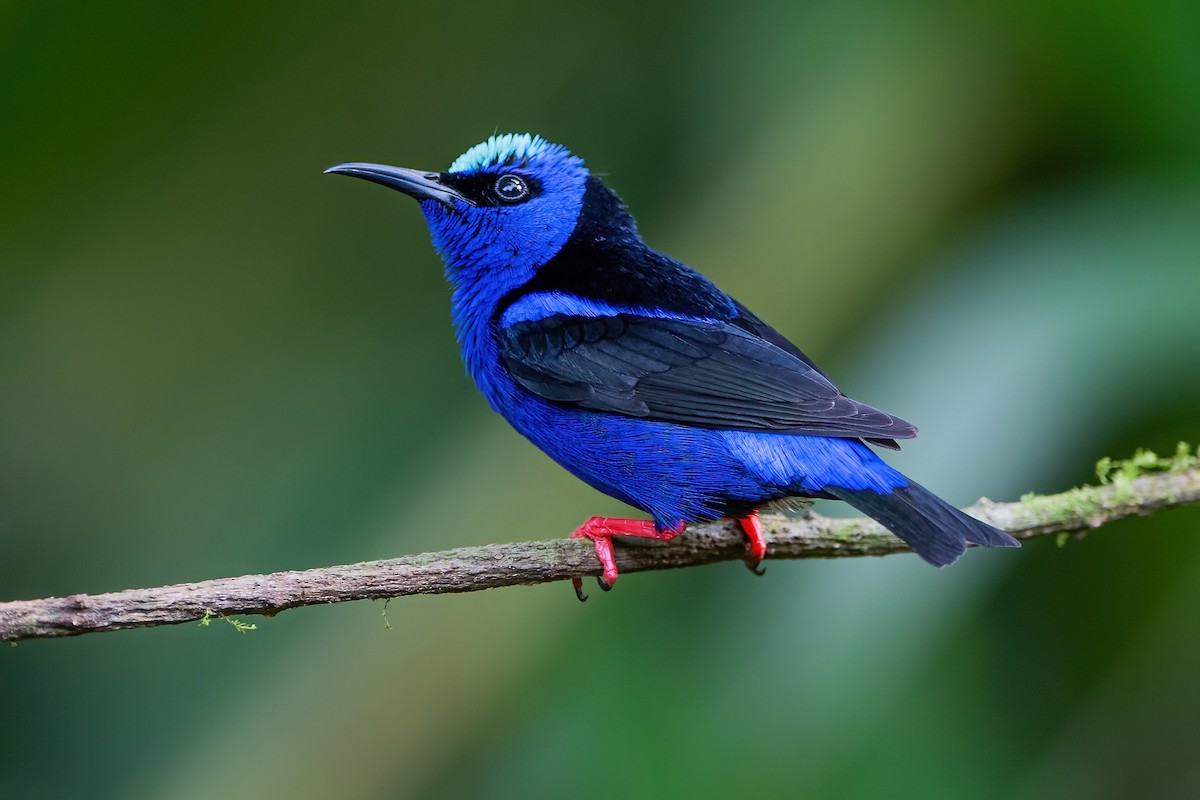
(707, 373)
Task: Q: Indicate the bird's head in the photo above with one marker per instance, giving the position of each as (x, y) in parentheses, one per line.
(504, 208)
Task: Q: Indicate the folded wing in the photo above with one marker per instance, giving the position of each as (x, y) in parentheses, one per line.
(707, 373)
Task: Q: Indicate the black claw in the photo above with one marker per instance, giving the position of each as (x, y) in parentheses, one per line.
(578, 584)
(605, 585)
(757, 569)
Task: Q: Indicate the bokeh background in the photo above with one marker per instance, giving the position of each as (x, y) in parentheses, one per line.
(215, 360)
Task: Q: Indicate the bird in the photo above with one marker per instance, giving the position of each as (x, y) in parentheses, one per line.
(639, 375)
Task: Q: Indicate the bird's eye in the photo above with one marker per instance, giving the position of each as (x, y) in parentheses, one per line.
(511, 188)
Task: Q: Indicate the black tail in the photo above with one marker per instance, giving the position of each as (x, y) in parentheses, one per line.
(935, 530)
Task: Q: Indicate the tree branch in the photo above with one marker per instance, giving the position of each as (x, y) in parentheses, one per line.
(469, 569)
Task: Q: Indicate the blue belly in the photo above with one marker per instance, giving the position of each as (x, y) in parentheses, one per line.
(678, 473)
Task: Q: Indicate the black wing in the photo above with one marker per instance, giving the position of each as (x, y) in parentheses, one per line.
(693, 372)
(748, 321)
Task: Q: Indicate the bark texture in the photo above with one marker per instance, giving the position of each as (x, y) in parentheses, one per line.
(470, 569)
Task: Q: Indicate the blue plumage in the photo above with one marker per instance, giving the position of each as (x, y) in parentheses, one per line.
(635, 372)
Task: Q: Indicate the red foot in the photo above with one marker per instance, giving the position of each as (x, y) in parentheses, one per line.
(755, 543)
(601, 530)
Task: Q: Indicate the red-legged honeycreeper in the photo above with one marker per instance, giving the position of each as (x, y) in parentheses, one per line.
(638, 374)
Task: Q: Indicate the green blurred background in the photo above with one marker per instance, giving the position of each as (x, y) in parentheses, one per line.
(214, 360)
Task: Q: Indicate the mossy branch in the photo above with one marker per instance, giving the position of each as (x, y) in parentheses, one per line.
(471, 569)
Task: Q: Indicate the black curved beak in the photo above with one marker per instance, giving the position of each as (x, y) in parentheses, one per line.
(413, 182)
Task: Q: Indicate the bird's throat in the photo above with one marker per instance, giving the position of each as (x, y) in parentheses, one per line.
(474, 327)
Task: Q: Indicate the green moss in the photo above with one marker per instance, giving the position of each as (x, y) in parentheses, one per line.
(1144, 461)
(1078, 503)
(1085, 502)
(1121, 473)
(238, 625)
(842, 533)
(387, 623)
(851, 531)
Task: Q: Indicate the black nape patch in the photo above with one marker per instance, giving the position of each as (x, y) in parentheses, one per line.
(605, 259)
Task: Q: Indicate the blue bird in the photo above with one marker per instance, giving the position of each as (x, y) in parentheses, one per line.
(636, 373)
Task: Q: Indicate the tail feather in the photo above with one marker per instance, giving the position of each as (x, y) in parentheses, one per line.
(935, 530)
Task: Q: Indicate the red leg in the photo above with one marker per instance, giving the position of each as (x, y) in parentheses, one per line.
(601, 530)
(755, 543)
